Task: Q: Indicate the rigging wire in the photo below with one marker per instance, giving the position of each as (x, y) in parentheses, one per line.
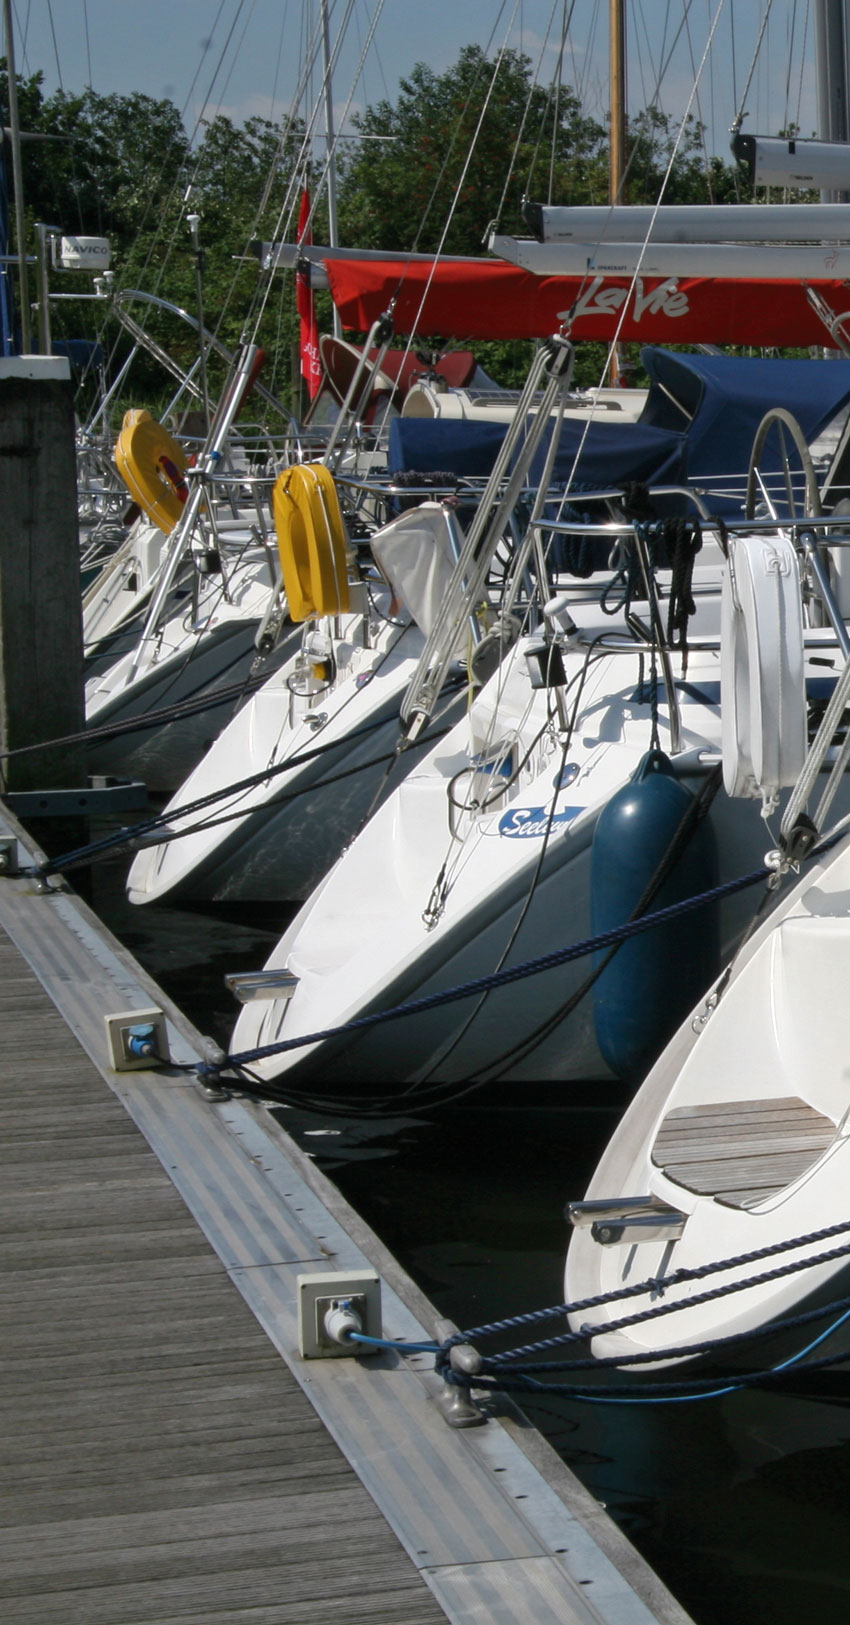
(740, 115)
(559, 85)
(88, 39)
(55, 46)
(798, 111)
(526, 111)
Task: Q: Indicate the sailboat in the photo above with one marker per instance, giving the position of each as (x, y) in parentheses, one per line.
(489, 852)
(487, 849)
(719, 1204)
(304, 761)
(198, 633)
(723, 1188)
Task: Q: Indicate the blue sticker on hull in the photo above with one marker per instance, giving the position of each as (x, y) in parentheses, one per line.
(526, 822)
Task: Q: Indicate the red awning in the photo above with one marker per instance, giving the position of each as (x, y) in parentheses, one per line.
(489, 299)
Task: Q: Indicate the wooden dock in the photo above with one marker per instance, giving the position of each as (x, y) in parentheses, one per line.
(170, 1457)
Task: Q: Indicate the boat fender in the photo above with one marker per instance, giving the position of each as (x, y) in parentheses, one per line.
(312, 541)
(647, 988)
(153, 466)
(763, 695)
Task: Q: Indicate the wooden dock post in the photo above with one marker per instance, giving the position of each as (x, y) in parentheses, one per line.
(41, 639)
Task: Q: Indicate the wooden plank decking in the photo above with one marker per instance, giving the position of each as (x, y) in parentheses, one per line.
(741, 1151)
(169, 1457)
(162, 1463)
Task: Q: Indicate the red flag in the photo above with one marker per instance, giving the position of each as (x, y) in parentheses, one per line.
(311, 367)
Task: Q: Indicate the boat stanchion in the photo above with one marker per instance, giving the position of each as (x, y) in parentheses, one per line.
(461, 1362)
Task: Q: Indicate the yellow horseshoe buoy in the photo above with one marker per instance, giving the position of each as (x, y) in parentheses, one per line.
(312, 541)
(153, 466)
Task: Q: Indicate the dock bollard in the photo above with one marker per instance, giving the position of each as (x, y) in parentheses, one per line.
(458, 1409)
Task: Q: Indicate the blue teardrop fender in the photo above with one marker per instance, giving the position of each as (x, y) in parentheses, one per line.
(652, 981)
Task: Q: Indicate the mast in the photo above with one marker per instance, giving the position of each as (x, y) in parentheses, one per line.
(616, 160)
(17, 172)
(832, 67)
(616, 183)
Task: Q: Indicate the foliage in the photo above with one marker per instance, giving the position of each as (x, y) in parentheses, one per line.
(454, 154)
(123, 167)
(412, 184)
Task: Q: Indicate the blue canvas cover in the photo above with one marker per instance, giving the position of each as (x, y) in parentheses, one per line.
(434, 445)
(603, 457)
(610, 453)
(727, 396)
(613, 454)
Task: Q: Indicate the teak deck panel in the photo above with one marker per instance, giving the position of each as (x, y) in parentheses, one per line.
(169, 1458)
(741, 1151)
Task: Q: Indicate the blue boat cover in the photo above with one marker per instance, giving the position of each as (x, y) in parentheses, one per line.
(610, 453)
(726, 397)
(707, 436)
(723, 400)
(592, 457)
(431, 445)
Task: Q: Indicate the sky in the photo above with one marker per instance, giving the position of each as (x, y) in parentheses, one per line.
(243, 57)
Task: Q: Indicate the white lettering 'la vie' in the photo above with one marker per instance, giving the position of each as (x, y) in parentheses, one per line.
(665, 300)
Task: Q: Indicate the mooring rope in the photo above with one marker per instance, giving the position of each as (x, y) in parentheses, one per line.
(514, 973)
(125, 838)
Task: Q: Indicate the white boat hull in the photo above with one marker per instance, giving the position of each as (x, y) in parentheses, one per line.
(741, 1126)
(199, 650)
(411, 911)
(275, 840)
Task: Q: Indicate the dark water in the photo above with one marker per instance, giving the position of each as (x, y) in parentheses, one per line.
(740, 1504)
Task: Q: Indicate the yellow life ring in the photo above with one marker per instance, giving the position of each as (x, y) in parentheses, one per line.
(312, 541)
(153, 466)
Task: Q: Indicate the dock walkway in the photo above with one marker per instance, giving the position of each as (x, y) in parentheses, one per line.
(170, 1457)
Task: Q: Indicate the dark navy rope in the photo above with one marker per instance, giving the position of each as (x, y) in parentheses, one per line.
(128, 838)
(695, 1272)
(656, 1311)
(515, 973)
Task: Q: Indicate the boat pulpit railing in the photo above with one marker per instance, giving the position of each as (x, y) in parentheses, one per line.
(359, 390)
(821, 542)
(197, 479)
(552, 366)
(186, 378)
(375, 500)
(800, 831)
(622, 534)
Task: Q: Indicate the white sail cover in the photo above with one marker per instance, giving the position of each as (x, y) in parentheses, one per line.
(783, 261)
(416, 556)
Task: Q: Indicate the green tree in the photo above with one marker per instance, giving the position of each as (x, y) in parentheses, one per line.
(123, 167)
(410, 184)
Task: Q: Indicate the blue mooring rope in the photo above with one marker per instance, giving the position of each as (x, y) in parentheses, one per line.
(490, 1373)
